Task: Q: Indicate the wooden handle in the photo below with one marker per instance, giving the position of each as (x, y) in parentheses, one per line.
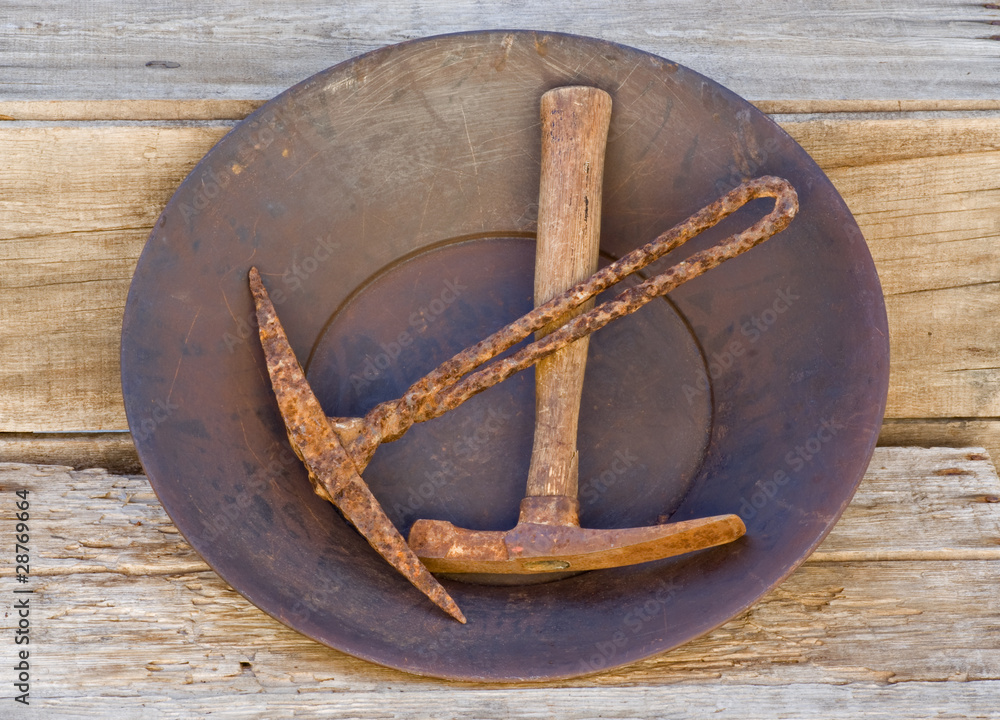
(574, 134)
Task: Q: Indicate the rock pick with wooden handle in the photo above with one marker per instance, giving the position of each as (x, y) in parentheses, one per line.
(548, 537)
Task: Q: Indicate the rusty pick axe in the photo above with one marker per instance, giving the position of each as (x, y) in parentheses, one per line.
(548, 537)
(332, 470)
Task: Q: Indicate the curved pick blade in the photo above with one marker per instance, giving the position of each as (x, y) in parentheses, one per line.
(332, 472)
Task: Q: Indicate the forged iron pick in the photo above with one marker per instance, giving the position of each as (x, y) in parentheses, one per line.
(453, 382)
(353, 441)
(548, 537)
(332, 472)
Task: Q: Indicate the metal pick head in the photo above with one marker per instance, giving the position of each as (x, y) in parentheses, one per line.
(538, 548)
(332, 472)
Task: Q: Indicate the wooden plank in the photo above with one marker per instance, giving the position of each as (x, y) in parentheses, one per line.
(902, 483)
(848, 49)
(668, 702)
(77, 202)
(123, 110)
(925, 194)
(127, 621)
(792, 107)
(840, 145)
(957, 485)
(76, 206)
(942, 433)
(111, 451)
(186, 636)
(116, 453)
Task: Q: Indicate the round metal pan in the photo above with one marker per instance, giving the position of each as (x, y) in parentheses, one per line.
(389, 203)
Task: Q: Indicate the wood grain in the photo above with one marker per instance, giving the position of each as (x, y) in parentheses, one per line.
(875, 630)
(76, 206)
(670, 702)
(926, 197)
(104, 108)
(942, 433)
(112, 451)
(77, 202)
(575, 124)
(125, 110)
(842, 50)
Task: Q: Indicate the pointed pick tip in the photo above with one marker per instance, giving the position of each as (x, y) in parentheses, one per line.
(254, 276)
(365, 504)
(452, 609)
(426, 583)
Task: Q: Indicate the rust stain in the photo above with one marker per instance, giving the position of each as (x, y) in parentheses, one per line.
(501, 62)
(951, 471)
(335, 461)
(444, 388)
(539, 545)
(332, 472)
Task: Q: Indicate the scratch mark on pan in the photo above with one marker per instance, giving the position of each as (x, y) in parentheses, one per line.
(580, 68)
(263, 377)
(307, 161)
(193, 321)
(535, 128)
(180, 360)
(246, 441)
(174, 381)
(427, 204)
(440, 169)
(362, 117)
(622, 83)
(226, 301)
(475, 167)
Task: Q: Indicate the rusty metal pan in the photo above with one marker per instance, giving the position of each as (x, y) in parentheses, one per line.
(390, 204)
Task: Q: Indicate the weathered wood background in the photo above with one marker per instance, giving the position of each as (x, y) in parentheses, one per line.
(106, 110)
(897, 615)
(106, 106)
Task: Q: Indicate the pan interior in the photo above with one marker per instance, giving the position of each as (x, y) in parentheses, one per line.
(359, 195)
(469, 466)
